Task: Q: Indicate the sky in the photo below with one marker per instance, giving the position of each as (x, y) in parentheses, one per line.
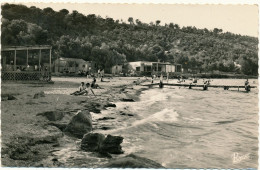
(238, 19)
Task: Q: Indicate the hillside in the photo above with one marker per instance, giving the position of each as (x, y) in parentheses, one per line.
(108, 41)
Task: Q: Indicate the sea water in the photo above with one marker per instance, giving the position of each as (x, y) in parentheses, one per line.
(183, 128)
(192, 128)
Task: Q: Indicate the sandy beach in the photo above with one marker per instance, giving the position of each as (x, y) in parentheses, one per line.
(29, 138)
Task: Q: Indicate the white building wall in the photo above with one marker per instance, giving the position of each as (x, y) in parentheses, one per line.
(168, 68)
(173, 68)
(135, 64)
(116, 69)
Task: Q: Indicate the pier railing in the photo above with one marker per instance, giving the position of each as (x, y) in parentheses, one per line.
(225, 87)
(25, 76)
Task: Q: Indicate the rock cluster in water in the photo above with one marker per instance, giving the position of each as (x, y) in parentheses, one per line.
(109, 105)
(127, 100)
(92, 142)
(38, 95)
(96, 142)
(80, 124)
(5, 97)
(132, 161)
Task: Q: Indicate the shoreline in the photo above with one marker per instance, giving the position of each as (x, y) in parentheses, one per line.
(24, 126)
(175, 75)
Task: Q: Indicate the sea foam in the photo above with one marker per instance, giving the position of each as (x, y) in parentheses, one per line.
(166, 115)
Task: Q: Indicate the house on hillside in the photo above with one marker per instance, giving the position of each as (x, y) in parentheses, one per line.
(148, 66)
(71, 65)
(141, 66)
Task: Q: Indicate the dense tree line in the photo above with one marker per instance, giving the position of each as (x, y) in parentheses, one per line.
(108, 41)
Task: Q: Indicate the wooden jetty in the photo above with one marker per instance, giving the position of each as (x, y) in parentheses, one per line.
(225, 87)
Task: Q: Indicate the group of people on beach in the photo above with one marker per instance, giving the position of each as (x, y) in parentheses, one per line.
(86, 88)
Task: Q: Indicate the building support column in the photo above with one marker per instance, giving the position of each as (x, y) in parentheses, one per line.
(50, 61)
(157, 67)
(14, 60)
(40, 56)
(14, 64)
(27, 58)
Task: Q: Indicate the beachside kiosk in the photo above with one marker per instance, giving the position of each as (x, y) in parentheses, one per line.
(26, 63)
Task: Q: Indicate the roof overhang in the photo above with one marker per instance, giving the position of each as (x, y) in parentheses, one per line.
(20, 48)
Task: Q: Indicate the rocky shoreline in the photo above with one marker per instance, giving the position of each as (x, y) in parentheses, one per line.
(70, 121)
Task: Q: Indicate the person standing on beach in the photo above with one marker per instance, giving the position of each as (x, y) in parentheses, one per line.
(102, 73)
(246, 82)
(161, 78)
(206, 84)
(98, 73)
(247, 85)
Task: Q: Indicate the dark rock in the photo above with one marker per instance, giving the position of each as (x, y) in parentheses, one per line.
(56, 162)
(132, 161)
(96, 142)
(20, 152)
(93, 107)
(105, 128)
(106, 118)
(53, 115)
(56, 145)
(112, 145)
(37, 95)
(11, 97)
(95, 110)
(80, 124)
(83, 101)
(110, 105)
(61, 126)
(5, 97)
(92, 142)
(127, 100)
(54, 159)
(124, 114)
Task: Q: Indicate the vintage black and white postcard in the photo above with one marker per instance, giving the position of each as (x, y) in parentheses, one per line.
(129, 85)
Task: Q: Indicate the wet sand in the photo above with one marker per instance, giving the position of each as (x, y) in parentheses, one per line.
(28, 138)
